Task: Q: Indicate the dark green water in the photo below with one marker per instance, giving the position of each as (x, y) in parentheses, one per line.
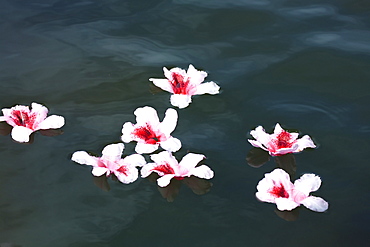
(304, 64)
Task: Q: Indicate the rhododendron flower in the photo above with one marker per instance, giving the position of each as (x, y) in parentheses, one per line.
(150, 133)
(280, 142)
(112, 163)
(183, 84)
(277, 188)
(166, 166)
(26, 121)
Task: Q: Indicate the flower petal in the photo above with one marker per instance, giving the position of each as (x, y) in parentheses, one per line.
(98, 171)
(180, 100)
(113, 151)
(127, 129)
(165, 180)
(147, 169)
(143, 148)
(51, 122)
(146, 115)
(171, 144)
(207, 87)
(202, 171)
(305, 142)
(307, 183)
(261, 136)
(21, 134)
(84, 158)
(257, 144)
(164, 157)
(163, 84)
(134, 160)
(131, 175)
(315, 204)
(285, 204)
(169, 122)
(196, 76)
(40, 112)
(191, 160)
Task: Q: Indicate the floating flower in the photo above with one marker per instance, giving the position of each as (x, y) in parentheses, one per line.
(111, 162)
(26, 121)
(277, 188)
(166, 166)
(280, 142)
(183, 84)
(150, 133)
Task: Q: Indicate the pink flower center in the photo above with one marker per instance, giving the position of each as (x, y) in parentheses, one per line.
(165, 169)
(123, 170)
(146, 134)
(23, 118)
(284, 140)
(179, 86)
(279, 191)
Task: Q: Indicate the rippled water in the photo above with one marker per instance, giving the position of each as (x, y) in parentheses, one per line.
(304, 64)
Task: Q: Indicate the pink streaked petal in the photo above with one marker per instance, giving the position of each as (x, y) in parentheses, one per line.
(316, 204)
(131, 175)
(305, 142)
(99, 171)
(196, 76)
(146, 115)
(263, 196)
(180, 100)
(169, 73)
(282, 151)
(51, 122)
(307, 183)
(169, 122)
(171, 144)
(276, 177)
(164, 157)
(143, 148)
(113, 151)
(163, 84)
(40, 111)
(202, 171)
(257, 144)
(127, 130)
(165, 180)
(285, 204)
(191, 160)
(207, 87)
(134, 160)
(21, 134)
(3, 118)
(84, 158)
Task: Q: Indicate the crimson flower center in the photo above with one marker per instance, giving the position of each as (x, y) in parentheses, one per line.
(22, 118)
(279, 191)
(284, 140)
(147, 134)
(179, 86)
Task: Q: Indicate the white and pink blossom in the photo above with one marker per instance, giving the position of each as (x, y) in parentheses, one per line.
(184, 84)
(149, 133)
(26, 121)
(280, 142)
(277, 188)
(167, 167)
(112, 163)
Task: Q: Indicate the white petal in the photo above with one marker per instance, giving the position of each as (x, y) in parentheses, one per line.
(98, 171)
(190, 160)
(21, 134)
(305, 142)
(257, 144)
(143, 148)
(202, 171)
(51, 122)
(134, 160)
(163, 84)
(196, 76)
(207, 87)
(147, 169)
(145, 115)
(278, 129)
(265, 197)
(307, 183)
(127, 129)
(132, 175)
(261, 136)
(165, 180)
(164, 157)
(169, 122)
(113, 151)
(171, 144)
(315, 204)
(285, 204)
(180, 100)
(84, 158)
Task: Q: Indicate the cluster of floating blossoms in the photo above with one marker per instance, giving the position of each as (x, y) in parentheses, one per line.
(150, 134)
(276, 186)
